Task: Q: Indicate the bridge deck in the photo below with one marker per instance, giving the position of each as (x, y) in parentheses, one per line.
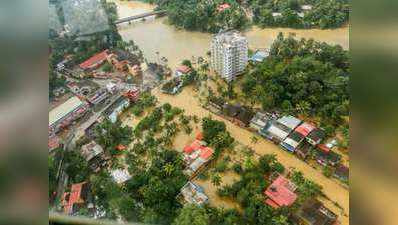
(140, 16)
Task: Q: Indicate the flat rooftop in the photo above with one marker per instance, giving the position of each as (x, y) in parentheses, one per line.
(64, 109)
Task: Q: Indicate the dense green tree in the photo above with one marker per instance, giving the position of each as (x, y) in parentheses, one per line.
(192, 215)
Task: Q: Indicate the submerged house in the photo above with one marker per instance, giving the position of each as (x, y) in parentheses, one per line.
(290, 122)
(313, 212)
(315, 136)
(240, 115)
(297, 136)
(196, 155)
(259, 121)
(327, 157)
(280, 193)
(192, 193)
(275, 131)
(342, 172)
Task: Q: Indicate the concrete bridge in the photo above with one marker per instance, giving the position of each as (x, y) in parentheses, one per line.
(143, 15)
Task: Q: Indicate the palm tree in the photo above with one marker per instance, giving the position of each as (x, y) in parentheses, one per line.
(216, 179)
(168, 168)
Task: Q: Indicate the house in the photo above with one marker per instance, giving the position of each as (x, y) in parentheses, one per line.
(289, 121)
(244, 116)
(114, 110)
(120, 176)
(216, 102)
(280, 193)
(223, 7)
(259, 56)
(95, 61)
(231, 110)
(326, 158)
(93, 153)
(303, 150)
(111, 87)
(53, 142)
(259, 121)
(276, 14)
(306, 7)
(292, 141)
(341, 172)
(315, 136)
(196, 155)
(192, 193)
(275, 131)
(182, 70)
(76, 199)
(297, 136)
(313, 212)
(98, 96)
(133, 94)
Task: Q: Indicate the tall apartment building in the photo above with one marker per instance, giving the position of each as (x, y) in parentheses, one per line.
(229, 54)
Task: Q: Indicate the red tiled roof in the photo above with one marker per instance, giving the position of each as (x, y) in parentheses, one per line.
(53, 142)
(305, 128)
(121, 147)
(271, 203)
(74, 197)
(94, 60)
(199, 136)
(183, 69)
(324, 148)
(279, 193)
(188, 149)
(223, 7)
(206, 152)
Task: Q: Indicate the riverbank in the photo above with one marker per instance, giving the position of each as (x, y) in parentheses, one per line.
(156, 35)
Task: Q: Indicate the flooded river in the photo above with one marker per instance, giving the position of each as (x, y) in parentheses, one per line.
(156, 35)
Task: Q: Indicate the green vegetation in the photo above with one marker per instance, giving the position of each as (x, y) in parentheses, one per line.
(203, 15)
(215, 133)
(324, 14)
(109, 135)
(303, 77)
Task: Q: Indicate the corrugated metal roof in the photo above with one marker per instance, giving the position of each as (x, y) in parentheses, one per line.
(289, 121)
(63, 110)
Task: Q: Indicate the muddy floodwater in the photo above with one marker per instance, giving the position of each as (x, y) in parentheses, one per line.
(156, 35)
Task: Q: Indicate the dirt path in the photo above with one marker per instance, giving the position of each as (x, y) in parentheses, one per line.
(331, 188)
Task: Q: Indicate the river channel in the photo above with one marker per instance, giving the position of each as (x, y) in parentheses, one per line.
(156, 35)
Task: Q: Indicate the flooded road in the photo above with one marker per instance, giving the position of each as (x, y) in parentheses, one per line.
(156, 35)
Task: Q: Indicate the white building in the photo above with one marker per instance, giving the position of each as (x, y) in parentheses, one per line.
(229, 54)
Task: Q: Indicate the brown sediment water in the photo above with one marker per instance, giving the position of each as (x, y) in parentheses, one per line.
(332, 189)
(156, 35)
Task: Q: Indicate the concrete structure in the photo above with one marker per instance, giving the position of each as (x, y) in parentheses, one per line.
(65, 113)
(115, 109)
(120, 176)
(193, 194)
(196, 156)
(229, 54)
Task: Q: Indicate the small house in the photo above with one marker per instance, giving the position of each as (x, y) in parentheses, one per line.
(216, 102)
(98, 96)
(259, 121)
(231, 110)
(196, 155)
(342, 172)
(182, 70)
(114, 110)
(292, 141)
(244, 116)
(280, 193)
(303, 150)
(192, 193)
(290, 122)
(259, 56)
(313, 212)
(315, 136)
(223, 7)
(93, 153)
(327, 158)
(120, 176)
(275, 131)
(76, 199)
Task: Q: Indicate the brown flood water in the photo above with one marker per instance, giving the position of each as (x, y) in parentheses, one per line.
(155, 35)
